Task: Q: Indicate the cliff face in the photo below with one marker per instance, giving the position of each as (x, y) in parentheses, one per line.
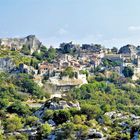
(17, 43)
(6, 64)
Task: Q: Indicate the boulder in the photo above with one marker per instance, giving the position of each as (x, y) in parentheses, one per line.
(93, 133)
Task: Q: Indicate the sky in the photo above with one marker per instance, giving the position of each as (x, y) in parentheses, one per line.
(107, 22)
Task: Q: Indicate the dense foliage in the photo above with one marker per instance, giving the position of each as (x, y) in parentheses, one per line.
(128, 71)
(68, 72)
(45, 54)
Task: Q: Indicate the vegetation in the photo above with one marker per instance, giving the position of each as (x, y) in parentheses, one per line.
(45, 54)
(45, 130)
(26, 50)
(25, 83)
(13, 124)
(109, 63)
(102, 94)
(128, 71)
(68, 72)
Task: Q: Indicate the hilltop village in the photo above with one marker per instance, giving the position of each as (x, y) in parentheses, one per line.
(80, 60)
(73, 92)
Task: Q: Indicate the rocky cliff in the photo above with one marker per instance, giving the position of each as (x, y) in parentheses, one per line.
(17, 43)
(6, 64)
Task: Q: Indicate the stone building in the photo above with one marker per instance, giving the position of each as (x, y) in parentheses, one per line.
(46, 69)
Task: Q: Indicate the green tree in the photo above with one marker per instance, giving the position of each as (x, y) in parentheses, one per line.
(51, 54)
(38, 55)
(48, 114)
(67, 132)
(77, 119)
(82, 131)
(114, 50)
(61, 116)
(34, 62)
(19, 108)
(128, 71)
(13, 123)
(4, 103)
(43, 49)
(26, 50)
(45, 130)
(68, 72)
(91, 111)
(84, 72)
(106, 107)
(17, 137)
(26, 83)
(31, 120)
(106, 120)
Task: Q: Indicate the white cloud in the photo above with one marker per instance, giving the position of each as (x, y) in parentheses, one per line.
(134, 28)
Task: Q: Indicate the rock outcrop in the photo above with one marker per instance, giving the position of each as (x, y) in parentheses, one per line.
(69, 48)
(92, 47)
(6, 64)
(128, 49)
(17, 43)
(56, 104)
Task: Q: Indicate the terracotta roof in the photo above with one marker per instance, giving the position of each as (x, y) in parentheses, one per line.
(46, 66)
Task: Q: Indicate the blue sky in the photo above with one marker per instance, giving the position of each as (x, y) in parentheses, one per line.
(107, 22)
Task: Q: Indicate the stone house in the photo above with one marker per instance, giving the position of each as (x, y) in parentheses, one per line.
(66, 60)
(23, 68)
(46, 69)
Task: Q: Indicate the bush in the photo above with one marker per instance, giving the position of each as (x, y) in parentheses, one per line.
(61, 116)
(68, 72)
(45, 130)
(48, 114)
(128, 71)
(26, 84)
(26, 50)
(13, 124)
(19, 108)
(31, 120)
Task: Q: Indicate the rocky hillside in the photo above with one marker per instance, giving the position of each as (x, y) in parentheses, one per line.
(17, 43)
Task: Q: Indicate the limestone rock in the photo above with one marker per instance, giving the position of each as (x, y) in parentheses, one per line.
(6, 64)
(17, 43)
(56, 104)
